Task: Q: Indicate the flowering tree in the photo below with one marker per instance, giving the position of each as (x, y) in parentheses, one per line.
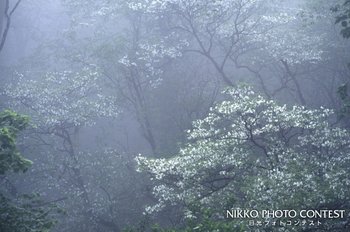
(250, 152)
(230, 35)
(233, 36)
(69, 99)
(133, 60)
(61, 105)
(225, 32)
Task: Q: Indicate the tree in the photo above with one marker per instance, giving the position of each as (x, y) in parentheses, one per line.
(61, 105)
(342, 17)
(10, 159)
(132, 61)
(233, 36)
(25, 212)
(227, 32)
(250, 152)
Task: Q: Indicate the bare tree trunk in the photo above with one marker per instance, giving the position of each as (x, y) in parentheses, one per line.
(7, 15)
(296, 83)
(2, 15)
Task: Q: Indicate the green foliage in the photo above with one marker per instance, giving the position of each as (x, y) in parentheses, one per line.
(343, 17)
(25, 213)
(343, 94)
(10, 159)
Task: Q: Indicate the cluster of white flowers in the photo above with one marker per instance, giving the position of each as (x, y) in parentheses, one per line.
(273, 156)
(62, 98)
(149, 58)
(270, 25)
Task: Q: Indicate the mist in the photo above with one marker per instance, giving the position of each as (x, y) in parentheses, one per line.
(174, 115)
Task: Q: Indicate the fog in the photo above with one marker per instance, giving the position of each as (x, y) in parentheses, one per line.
(165, 115)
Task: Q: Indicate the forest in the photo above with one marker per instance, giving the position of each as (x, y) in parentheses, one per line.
(174, 115)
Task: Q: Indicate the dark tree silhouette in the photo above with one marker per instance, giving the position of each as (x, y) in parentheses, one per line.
(5, 17)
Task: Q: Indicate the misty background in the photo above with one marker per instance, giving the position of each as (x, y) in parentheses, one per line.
(104, 81)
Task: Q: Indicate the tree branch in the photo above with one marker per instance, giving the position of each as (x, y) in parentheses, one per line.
(8, 22)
